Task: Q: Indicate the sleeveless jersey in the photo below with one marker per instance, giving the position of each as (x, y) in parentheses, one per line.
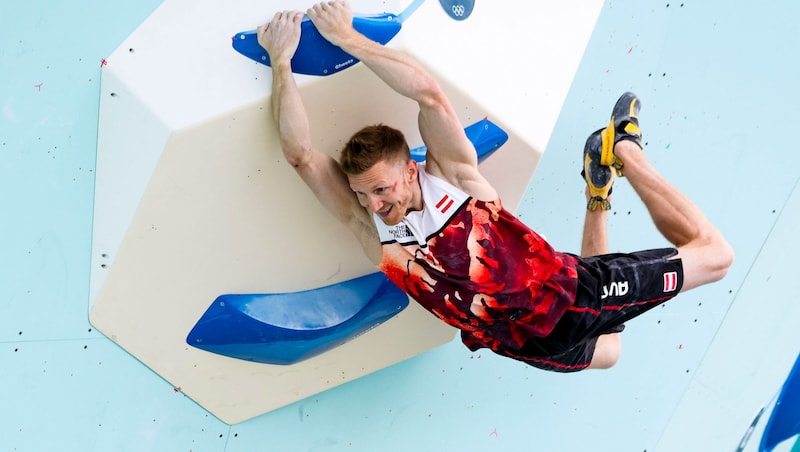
(477, 267)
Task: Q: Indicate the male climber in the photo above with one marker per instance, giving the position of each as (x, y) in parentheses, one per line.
(439, 231)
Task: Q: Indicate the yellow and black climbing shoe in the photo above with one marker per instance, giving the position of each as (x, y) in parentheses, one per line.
(599, 178)
(624, 125)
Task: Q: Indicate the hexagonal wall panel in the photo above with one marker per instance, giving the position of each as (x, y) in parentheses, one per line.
(193, 198)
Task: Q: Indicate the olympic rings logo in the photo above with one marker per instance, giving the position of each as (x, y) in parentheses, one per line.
(458, 10)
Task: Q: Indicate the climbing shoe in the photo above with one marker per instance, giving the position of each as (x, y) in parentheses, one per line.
(624, 125)
(599, 178)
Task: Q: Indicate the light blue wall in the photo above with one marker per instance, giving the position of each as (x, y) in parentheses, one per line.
(717, 80)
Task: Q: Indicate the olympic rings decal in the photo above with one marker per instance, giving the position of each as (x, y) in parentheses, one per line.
(458, 10)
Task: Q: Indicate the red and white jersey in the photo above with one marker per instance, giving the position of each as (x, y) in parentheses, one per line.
(477, 267)
(441, 202)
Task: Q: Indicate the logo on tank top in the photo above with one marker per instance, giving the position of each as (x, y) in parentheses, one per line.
(400, 231)
(670, 281)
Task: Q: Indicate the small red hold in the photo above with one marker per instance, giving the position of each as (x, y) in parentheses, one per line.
(177, 389)
(103, 62)
(680, 346)
(630, 50)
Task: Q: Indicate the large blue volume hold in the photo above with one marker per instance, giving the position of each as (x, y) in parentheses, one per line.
(285, 328)
(315, 55)
(486, 137)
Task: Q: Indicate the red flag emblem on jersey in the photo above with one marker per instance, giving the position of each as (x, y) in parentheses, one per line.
(670, 281)
(444, 204)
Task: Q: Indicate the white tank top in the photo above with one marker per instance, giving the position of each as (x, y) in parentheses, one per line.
(441, 201)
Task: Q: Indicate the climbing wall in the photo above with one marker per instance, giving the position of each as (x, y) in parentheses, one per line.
(193, 199)
(718, 88)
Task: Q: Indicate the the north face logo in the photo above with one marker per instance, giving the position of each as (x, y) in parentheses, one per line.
(400, 231)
